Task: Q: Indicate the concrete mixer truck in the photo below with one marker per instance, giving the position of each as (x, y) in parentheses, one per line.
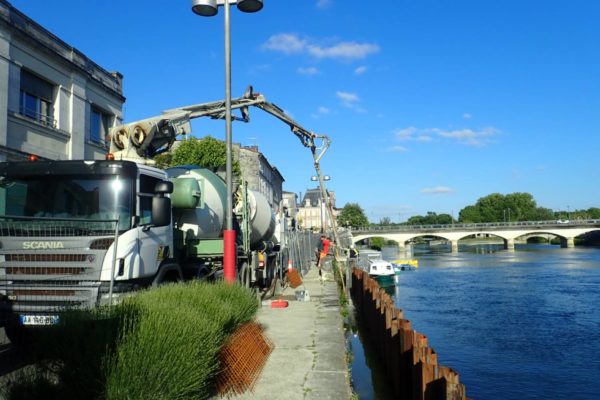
(78, 233)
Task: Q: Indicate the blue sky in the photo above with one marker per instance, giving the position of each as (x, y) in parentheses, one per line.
(430, 105)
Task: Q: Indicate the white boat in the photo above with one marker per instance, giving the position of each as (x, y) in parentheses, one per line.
(380, 268)
(371, 262)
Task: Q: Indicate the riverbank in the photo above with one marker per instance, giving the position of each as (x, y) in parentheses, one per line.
(309, 353)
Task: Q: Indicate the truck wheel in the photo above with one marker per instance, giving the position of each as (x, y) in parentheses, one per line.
(245, 275)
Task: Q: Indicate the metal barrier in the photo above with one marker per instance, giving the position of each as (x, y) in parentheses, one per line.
(410, 365)
(301, 248)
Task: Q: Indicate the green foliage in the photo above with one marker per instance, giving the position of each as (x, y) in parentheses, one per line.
(207, 152)
(159, 344)
(431, 219)
(385, 221)
(376, 243)
(352, 215)
(512, 207)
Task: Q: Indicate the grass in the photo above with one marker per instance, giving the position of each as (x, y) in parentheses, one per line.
(162, 343)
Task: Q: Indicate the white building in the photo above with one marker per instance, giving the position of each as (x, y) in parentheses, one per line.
(54, 101)
(312, 212)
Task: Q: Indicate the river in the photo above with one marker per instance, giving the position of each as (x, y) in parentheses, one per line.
(514, 325)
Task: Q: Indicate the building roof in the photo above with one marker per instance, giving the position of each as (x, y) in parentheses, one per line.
(312, 195)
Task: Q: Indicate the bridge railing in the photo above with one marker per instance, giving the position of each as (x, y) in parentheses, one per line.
(478, 226)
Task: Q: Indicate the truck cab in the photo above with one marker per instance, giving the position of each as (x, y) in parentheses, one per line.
(73, 232)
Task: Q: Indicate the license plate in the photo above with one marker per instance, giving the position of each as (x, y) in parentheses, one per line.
(39, 319)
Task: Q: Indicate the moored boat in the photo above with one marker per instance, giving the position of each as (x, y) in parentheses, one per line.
(404, 265)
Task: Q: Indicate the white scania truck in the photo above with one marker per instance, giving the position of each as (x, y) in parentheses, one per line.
(76, 234)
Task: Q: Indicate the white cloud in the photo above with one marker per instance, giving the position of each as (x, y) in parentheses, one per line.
(412, 133)
(323, 110)
(467, 116)
(287, 43)
(397, 149)
(437, 190)
(350, 100)
(360, 70)
(469, 137)
(344, 50)
(308, 71)
(405, 133)
(346, 97)
(324, 3)
(290, 43)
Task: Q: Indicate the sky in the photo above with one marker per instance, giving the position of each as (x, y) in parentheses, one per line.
(429, 105)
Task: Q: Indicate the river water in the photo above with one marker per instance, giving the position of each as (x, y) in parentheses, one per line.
(514, 325)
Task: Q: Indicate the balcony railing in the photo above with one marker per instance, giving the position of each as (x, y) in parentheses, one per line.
(42, 119)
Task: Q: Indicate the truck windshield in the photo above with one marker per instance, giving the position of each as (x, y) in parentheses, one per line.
(66, 197)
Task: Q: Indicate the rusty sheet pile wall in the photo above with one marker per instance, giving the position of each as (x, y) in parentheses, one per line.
(410, 364)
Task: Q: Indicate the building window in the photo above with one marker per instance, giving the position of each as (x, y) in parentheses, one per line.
(99, 124)
(36, 99)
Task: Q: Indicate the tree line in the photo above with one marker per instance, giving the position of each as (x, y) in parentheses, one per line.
(495, 207)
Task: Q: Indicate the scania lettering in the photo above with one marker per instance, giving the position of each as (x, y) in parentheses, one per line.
(43, 245)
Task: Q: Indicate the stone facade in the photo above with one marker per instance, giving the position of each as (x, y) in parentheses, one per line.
(54, 101)
(260, 174)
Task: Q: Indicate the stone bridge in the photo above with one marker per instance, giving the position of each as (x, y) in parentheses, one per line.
(566, 231)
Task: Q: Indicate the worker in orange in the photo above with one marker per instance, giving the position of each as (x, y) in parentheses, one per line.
(326, 243)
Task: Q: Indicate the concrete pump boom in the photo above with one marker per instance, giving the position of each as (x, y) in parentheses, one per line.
(142, 140)
(148, 137)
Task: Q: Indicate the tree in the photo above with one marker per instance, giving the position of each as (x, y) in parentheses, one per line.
(385, 221)
(431, 219)
(469, 215)
(352, 215)
(207, 152)
(497, 207)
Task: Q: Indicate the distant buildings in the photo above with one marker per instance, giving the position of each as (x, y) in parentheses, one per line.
(312, 211)
(55, 102)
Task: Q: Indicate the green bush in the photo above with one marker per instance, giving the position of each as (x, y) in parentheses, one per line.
(169, 351)
(161, 343)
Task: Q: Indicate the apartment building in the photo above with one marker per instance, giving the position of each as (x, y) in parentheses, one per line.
(55, 102)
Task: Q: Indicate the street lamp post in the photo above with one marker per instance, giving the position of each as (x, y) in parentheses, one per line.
(323, 199)
(209, 8)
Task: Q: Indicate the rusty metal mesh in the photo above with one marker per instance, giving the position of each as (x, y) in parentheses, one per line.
(242, 359)
(294, 278)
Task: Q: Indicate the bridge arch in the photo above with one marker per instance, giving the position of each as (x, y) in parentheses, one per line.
(507, 232)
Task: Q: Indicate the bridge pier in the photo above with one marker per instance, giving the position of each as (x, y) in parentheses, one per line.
(567, 243)
(401, 248)
(509, 244)
(454, 244)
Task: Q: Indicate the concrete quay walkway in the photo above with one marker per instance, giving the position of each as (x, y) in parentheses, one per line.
(309, 355)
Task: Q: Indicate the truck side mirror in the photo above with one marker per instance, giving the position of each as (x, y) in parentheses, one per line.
(161, 205)
(161, 211)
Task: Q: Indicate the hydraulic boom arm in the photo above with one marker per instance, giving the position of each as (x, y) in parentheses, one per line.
(149, 137)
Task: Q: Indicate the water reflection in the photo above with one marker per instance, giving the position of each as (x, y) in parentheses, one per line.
(368, 377)
(500, 318)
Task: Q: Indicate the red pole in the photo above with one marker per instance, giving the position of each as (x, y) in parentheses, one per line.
(229, 255)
